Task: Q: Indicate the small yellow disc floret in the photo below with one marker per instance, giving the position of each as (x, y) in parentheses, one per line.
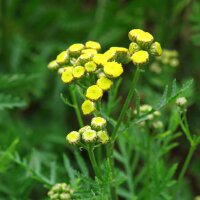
(88, 107)
(113, 69)
(133, 34)
(94, 93)
(139, 58)
(73, 137)
(104, 83)
(78, 71)
(67, 76)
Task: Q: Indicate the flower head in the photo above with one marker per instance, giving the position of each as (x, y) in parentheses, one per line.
(93, 45)
(78, 71)
(113, 69)
(67, 76)
(62, 58)
(133, 47)
(104, 83)
(100, 59)
(133, 34)
(144, 39)
(181, 101)
(89, 136)
(103, 136)
(75, 49)
(98, 123)
(94, 93)
(53, 65)
(73, 137)
(156, 49)
(88, 107)
(90, 66)
(139, 58)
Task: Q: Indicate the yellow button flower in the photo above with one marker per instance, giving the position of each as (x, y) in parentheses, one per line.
(78, 71)
(62, 58)
(90, 66)
(110, 55)
(67, 76)
(139, 58)
(84, 128)
(82, 59)
(103, 137)
(53, 65)
(104, 83)
(156, 49)
(94, 93)
(100, 59)
(133, 34)
(88, 107)
(73, 137)
(113, 69)
(75, 49)
(144, 39)
(89, 136)
(93, 45)
(98, 123)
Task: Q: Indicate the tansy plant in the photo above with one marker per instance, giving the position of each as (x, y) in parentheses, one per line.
(85, 70)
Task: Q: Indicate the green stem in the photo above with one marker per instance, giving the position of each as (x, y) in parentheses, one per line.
(94, 162)
(76, 107)
(110, 147)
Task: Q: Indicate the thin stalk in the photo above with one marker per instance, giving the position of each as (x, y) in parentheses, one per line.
(93, 161)
(110, 147)
(76, 107)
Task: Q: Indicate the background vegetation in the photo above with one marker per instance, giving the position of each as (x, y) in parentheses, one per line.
(33, 118)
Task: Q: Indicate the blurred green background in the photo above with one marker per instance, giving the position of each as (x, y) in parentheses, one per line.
(33, 32)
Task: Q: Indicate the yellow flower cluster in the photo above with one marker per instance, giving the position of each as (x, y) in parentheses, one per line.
(141, 46)
(95, 133)
(84, 62)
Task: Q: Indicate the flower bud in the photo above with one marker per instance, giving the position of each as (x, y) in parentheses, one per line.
(75, 49)
(133, 34)
(93, 45)
(53, 65)
(181, 102)
(94, 93)
(78, 71)
(103, 136)
(140, 58)
(73, 137)
(62, 58)
(156, 49)
(98, 123)
(88, 107)
(133, 48)
(89, 136)
(84, 128)
(90, 66)
(144, 39)
(113, 69)
(67, 75)
(104, 83)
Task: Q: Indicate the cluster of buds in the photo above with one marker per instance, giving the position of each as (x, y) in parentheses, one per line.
(82, 60)
(94, 133)
(152, 117)
(168, 58)
(60, 191)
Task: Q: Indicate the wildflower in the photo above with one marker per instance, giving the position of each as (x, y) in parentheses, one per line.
(110, 55)
(90, 66)
(53, 65)
(139, 58)
(98, 123)
(104, 83)
(60, 191)
(133, 34)
(89, 136)
(144, 39)
(100, 59)
(181, 101)
(73, 137)
(67, 76)
(88, 107)
(78, 71)
(156, 49)
(62, 58)
(103, 136)
(84, 128)
(93, 45)
(133, 47)
(75, 49)
(94, 92)
(113, 69)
